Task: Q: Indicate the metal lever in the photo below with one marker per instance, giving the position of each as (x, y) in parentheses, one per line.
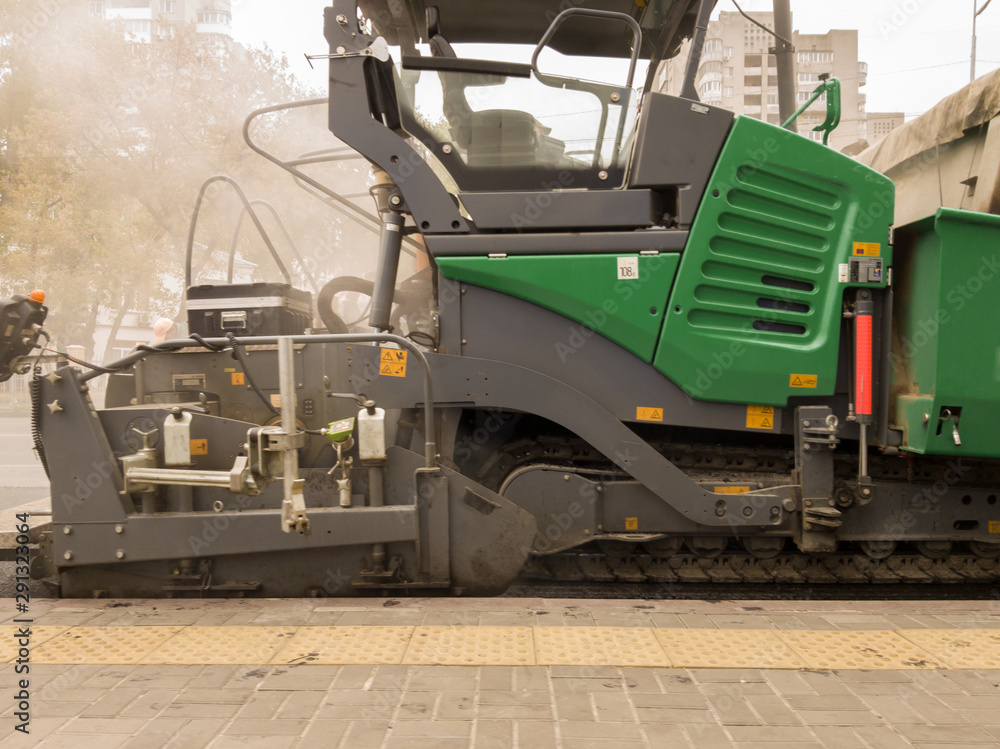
(947, 415)
(176, 411)
(378, 49)
(344, 464)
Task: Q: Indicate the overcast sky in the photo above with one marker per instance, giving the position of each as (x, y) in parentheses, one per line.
(917, 50)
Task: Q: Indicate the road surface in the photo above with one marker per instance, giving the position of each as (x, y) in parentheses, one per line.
(22, 478)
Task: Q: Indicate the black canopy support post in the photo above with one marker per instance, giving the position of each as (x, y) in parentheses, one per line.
(785, 54)
(688, 90)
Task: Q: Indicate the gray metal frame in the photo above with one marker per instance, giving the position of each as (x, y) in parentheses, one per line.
(460, 533)
(566, 210)
(351, 120)
(558, 243)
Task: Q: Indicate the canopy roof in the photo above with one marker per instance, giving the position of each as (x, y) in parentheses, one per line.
(665, 23)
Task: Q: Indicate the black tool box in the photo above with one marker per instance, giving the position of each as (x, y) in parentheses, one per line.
(248, 309)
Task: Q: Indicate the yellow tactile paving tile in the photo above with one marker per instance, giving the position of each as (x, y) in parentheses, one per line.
(219, 645)
(10, 647)
(599, 646)
(102, 645)
(471, 646)
(348, 645)
(959, 648)
(831, 650)
(513, 646)
(727, 648)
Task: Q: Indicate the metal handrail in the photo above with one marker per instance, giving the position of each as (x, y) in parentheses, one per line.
(284, 231)
(593, 13)
(830, 87)
(247, 207)
(319, 190)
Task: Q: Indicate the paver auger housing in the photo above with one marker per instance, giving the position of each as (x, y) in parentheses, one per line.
(652, 341)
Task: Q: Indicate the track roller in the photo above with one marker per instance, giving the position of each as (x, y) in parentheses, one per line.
(664, 548)
(707, 547)
(616, 549)
(984, 549)
(764, 547)
(880, 548)
(934, 549)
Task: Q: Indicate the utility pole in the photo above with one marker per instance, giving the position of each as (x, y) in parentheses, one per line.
(785, 54)
(975, 15)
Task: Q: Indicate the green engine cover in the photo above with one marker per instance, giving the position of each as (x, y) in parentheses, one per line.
(946, 342)
(755, 314)
(622, 297)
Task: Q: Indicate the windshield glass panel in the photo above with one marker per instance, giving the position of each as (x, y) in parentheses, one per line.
(481, 123)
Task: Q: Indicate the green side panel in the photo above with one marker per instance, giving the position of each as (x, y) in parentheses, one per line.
(758, 296)
(584, 288)
(946, 339)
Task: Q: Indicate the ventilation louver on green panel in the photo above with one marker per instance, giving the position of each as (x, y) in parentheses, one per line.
(758, 298)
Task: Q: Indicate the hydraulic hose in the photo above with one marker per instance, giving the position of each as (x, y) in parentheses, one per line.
(407, 294)
(324, 301)
(35, 391)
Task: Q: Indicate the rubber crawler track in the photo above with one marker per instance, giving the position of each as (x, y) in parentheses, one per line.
(584, 565)
(743, 568)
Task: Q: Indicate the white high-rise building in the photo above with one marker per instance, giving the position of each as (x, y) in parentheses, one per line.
(738, 73)
(149, 20)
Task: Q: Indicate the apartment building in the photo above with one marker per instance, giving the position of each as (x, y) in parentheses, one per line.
(149, 20)
(880, 124)
(738, 73)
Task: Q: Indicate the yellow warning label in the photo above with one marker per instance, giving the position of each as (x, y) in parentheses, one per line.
(995, 526)
(760, 417)
(802, 381)
(199, 447)
(237, 378)
(867, 249)
(631, 524)
(392, 362)
(731, 489)
(229, 369)
(648, 414)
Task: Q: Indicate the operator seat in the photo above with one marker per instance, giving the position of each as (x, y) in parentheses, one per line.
(507, 137)
(491, 137)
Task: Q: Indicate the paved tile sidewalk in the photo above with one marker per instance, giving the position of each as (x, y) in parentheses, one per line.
(499, 707)
(506, 707)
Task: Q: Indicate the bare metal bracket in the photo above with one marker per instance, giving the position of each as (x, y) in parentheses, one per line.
(378, 49)
(815, 441)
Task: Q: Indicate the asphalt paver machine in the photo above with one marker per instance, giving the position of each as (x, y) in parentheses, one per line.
(652, 341)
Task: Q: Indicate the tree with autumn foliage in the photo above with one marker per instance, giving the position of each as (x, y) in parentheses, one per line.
(103, 145)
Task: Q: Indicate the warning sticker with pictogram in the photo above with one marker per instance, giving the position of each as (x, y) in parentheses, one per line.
(199, 447)
(237, 378)
(631, 524)
(760, 417)
(995, 526)
(392, 362)
(803, 381)
(867, 249)
(648, 414)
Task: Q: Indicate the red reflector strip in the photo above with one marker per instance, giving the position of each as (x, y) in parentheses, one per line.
(863, 366)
